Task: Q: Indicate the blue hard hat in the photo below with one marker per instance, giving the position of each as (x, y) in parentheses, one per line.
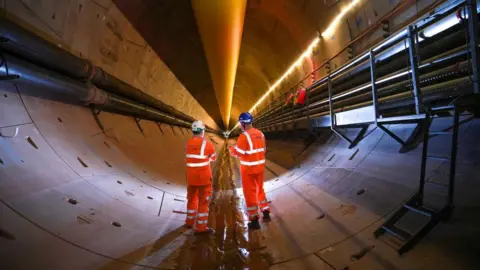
(246, 118)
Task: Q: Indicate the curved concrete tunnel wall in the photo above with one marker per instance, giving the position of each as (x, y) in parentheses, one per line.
(60, 154)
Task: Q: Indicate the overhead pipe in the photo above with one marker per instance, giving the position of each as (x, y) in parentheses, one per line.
(27, 45)
(47, 84)
(220, 24)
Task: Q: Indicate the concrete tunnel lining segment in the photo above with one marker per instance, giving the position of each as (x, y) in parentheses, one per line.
(320, 185)
(37, 184)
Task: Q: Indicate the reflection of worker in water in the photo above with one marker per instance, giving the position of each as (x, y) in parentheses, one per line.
(199, 153)
(250, 149)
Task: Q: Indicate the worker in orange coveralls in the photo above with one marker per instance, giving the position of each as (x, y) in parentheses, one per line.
(199, 153)
(250, 149)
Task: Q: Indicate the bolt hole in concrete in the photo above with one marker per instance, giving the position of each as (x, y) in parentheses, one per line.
(106, 144)
(357, 256)
(59, 119)
(31, 142)
(120, 182)
(53, 16)
(6, 235)
(354, 154)
(361, 191)
(72, 201)
(150, 198)
(108, 164)
(1, 161)
(82, 162)
(5, 95)
(116, 224)
(321, 216)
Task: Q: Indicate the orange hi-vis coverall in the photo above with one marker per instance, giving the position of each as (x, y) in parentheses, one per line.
(250, 149)
(199, 153)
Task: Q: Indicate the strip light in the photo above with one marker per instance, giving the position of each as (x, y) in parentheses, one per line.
(327, 33)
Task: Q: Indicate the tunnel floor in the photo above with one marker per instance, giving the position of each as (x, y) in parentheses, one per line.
(74, 197)
(231, 246)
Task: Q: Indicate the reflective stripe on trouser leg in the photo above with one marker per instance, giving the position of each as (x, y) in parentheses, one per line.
(250, 193)
(203, 202)
(263, 202)
(192, 204)
(264, 205)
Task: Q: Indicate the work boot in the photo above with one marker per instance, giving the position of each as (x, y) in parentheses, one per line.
(207, 231)
(254, 224)
(266, 215)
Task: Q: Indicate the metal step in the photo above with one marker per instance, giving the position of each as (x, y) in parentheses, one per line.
(436, 183)
(442, 108)
(398, 233)
(440, 133)
(439, 158)
(419, 210)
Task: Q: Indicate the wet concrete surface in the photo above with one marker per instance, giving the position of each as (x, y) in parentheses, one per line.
(326, 199)
(231, 246)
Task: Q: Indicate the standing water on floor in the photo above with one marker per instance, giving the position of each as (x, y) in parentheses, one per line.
(231, 246)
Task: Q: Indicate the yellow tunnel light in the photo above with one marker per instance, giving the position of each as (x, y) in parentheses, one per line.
(328, 32)
(220, 23)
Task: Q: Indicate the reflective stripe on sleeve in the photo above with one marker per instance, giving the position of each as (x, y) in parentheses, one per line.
(202, 221)
(202, 214)
(240, 150)
(191, 217)
(191, 211)
(253, 208)
(265, 201)
(254, 151)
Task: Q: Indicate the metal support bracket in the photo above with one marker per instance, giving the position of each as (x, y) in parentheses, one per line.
(173, 129)
(360, 136)
(409, 144)
(373, 76)
(413, 54)
(160, 128)
(332, 121)
(137, 120)
(96, 112)
(473, 36)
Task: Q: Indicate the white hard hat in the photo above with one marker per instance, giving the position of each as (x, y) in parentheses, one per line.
(198, 126)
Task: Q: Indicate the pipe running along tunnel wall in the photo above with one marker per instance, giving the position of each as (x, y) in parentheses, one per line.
(76, 197)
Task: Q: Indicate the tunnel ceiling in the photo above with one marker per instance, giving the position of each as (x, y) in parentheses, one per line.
(275, 33)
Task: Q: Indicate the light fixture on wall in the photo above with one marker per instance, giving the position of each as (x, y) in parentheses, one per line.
(307, 53)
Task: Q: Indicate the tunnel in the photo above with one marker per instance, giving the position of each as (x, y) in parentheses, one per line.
(369, 109)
